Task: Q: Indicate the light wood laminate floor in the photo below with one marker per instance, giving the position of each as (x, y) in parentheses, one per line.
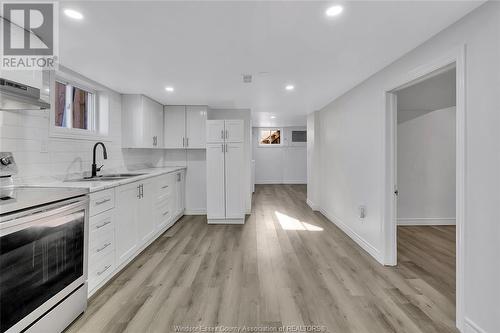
(286, 266)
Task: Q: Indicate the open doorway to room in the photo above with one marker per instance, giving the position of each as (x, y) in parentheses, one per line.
(425, 181)
(426, 184)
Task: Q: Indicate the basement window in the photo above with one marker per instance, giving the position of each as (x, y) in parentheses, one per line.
(270, 137)
(74, 107)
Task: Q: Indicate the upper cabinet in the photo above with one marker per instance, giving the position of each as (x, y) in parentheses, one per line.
(225, 131)
(142, 120)
(184, 127)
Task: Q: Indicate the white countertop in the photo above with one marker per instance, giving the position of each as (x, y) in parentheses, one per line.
(94, 186)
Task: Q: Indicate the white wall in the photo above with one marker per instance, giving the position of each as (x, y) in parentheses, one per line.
(285, 164)
(426, 168)
(37, 154)
(352, 130)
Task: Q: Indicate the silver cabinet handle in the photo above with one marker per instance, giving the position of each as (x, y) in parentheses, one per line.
(165, 186)
(103, 247)
(222, 134)
(139, 189)
(183, 142)
(97, 203)
(226, 147)
(178, 177)
(165, 213)
(222, 146)
(102, 225)
(187, 142)
(227, 134)
(153, 141)
(104, 270)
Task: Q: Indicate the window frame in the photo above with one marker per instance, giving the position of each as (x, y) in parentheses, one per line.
(95, 132)
(269, 145)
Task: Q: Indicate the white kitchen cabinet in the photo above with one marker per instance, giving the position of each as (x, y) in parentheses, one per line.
(146, 226)
(235, 208)
(225, 162)
(196, 119)
(142, 120)
(174, 128)
(184, 127)
(234, 130)
(215, 181)
(215, 131)
(127, 214)
(180, 178)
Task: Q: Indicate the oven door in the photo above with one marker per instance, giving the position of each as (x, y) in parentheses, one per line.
(42, 260)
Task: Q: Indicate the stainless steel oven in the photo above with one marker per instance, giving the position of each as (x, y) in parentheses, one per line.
(43, 266)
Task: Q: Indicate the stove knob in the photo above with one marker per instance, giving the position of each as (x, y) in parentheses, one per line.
(5, 160)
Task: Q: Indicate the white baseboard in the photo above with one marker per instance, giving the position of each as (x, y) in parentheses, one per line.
(427, 221)
(199, 211)
(472, 327)
(226, 221)
(375, 253)
(275, 182)
(312, 205)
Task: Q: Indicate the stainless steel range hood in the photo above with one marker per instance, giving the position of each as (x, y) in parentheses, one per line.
(18, 96)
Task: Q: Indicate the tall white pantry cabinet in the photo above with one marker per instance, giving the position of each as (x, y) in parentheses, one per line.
(225, 164)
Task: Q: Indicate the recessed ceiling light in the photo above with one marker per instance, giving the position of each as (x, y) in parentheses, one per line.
(289, 87)
(273, 117)
(334, 11)
(73, 14)
(169, 89)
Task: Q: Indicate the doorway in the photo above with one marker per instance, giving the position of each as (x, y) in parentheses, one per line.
(454, 62)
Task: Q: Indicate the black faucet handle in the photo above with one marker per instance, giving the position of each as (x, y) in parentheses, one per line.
(99, 168)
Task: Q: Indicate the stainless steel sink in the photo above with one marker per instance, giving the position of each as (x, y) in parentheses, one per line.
(102, 178)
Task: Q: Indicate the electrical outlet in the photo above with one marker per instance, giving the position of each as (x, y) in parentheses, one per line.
(362, 212)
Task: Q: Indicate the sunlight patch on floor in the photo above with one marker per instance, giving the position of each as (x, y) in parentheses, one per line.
(290, 223)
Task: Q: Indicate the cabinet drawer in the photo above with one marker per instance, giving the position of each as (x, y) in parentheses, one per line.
(100, 270)
(102, 201)
(101, 223)
(101, 245)
(163, 213)
(165, 185)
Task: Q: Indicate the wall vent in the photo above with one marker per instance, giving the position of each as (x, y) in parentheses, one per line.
(247, 78)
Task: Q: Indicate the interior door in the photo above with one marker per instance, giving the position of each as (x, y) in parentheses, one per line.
(174, 126)
(196, 119)
(215, 131)
(215, 181)
(146, 221)
(235, 207)
(234, 130)
(127, 205)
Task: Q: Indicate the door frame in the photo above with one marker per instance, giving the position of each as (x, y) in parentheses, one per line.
(454, 58)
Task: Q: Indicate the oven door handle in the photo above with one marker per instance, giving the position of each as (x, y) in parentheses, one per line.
(45, 215)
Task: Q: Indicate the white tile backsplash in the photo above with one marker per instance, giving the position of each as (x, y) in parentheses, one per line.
(26, 135)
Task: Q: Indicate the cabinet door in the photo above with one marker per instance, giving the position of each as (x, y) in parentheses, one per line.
(235, 207)
(196, 119)
(174, 126)
(132, 122)
(234, 131)
(155, 117)
(127, 209)
(215, 181)
(179, 192)
(215, 131)
(146, 222)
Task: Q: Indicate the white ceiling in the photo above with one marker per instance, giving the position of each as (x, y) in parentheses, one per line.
(203, 48)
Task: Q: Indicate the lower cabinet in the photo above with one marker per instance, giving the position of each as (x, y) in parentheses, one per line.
(139, 213)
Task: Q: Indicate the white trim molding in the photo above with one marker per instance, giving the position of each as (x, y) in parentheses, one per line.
(472, 327)
(198, 211)
(453, 58)
(354, 236)
(426, 221)
(312, 205)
